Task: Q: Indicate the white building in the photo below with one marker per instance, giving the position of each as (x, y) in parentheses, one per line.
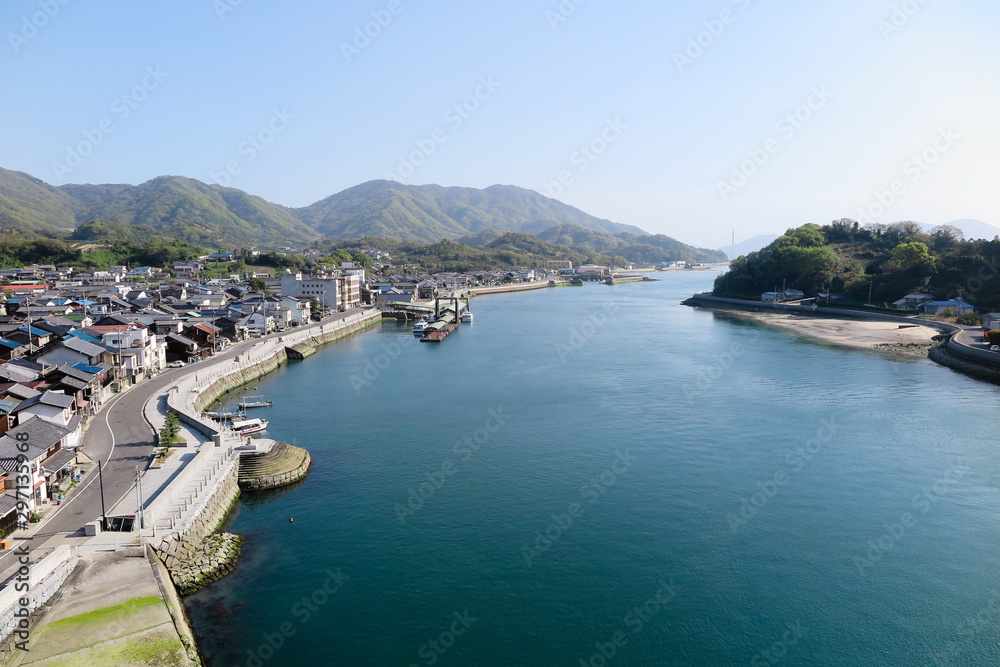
(325, 289)
(148, 354)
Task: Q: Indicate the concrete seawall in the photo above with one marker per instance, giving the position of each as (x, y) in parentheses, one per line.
(190, 514)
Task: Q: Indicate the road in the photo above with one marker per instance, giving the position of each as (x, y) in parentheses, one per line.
(121, 437)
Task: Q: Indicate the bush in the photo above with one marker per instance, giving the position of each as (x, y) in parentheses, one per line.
(993, 336)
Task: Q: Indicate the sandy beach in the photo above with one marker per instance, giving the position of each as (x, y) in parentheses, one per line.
(883, 336)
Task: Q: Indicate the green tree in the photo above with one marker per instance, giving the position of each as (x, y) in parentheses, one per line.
(912, 255)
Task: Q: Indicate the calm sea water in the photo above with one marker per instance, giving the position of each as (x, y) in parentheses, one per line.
(598, 475)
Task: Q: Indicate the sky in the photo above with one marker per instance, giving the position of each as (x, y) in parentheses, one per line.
(696, 120)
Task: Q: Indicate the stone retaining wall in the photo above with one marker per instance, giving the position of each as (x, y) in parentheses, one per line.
(944, 355)
(175, 548)
(214, 559)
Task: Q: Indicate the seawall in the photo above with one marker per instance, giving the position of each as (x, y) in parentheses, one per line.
(188, 517)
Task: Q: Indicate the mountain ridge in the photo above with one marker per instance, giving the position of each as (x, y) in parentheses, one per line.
(212, 215)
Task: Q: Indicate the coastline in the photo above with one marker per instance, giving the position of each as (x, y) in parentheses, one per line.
(886, 337)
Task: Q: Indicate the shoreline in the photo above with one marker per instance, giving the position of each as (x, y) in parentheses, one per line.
(890, 338)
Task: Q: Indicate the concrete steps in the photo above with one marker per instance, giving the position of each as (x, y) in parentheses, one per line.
(284, 464)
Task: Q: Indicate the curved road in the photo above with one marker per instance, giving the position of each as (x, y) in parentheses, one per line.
(121, 437)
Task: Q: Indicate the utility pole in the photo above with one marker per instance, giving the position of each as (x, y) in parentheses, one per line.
(871, 282)
(104, 511)
(138, 490)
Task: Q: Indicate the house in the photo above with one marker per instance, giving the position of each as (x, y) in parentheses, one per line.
(55, 407)
(771, 297)
(45, 459)
(300, 310)
(991, 321)
(73, 350)
(11, 349)
(7, 419)
(180, 348)
(84, 385)
(257, 324)
(102, 278)
(953, 307)
(136, 341)
(186, 269)
(912, 301)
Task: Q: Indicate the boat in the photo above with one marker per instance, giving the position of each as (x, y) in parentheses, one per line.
(248, 426)
(253, 402)
(226, 416)
(467, 316)
(420, 327)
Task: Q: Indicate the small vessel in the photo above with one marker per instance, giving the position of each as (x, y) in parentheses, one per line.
(248, 426)
(253, 402)
(420, 327)
(467, 316)
(226, 416)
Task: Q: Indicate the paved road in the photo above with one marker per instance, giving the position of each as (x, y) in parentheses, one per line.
(121, 437)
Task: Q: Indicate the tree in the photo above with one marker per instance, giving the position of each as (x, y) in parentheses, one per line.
(258, 285)
(912, 255)
(171, 429)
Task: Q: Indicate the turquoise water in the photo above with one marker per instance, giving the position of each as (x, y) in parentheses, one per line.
(598, 475)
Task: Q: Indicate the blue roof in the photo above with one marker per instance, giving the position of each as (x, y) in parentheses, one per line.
(86, 337)
(953, 302)
(87, 368)
(85, 302)
(12, 344)
(34, 331)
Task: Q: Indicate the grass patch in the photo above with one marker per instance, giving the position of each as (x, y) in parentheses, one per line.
(102, 614)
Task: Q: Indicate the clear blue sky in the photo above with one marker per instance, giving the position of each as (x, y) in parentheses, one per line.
(896, 87)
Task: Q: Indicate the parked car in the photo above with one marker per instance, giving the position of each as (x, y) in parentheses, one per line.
(994, 348)
(176, 364)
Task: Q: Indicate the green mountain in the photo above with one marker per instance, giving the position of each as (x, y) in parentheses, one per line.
(28, 205)
(208, 215)
(217, 217)
(431, 212)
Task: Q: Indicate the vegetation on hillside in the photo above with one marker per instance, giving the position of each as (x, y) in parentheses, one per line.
(889, 260)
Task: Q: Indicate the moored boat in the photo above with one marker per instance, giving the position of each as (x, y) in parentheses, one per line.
(226, 416)
(254, 402)
(248, 426)
(467, 316)
(420, 327)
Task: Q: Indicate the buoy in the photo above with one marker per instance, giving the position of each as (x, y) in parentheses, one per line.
(291, 520)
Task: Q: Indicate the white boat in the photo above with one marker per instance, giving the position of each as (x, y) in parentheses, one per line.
(420, 327)
(226, 416)
(248, 426)
(467, 316)
(253, 402)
